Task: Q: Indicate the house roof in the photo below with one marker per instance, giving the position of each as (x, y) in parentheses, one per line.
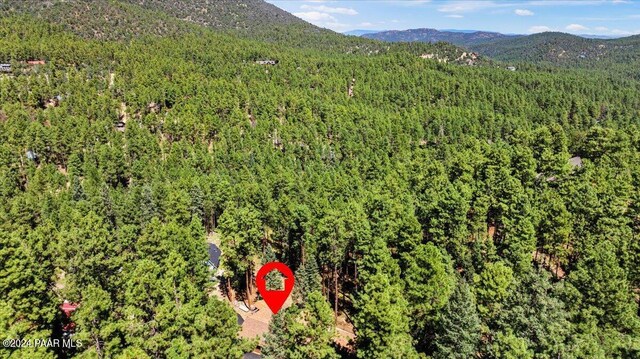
(575, 161)
(214, 254)
(68, 308)
(31, 155)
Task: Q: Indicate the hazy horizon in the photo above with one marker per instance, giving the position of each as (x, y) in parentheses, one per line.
(507, 17)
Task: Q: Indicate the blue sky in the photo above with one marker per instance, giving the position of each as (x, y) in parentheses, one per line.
(598, 17)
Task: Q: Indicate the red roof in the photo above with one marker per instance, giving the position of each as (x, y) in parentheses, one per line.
(68, 308)
(36, 62)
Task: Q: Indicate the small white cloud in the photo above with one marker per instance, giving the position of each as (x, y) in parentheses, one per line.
(366, 24)
(523, 12)
(460, 6)
(330, 10)
(455, 16)
(565, 2)
(576, 27)
(416, 2)
(539, 28)
(601, 28)
(312, 16)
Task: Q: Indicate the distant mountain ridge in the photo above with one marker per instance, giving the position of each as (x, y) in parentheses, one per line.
(548, 47)
(359, 32)
(464, 38)
(563, 49)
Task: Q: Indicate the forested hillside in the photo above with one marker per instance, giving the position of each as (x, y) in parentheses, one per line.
(101, 19)
(441, 208)
(564, 49)
(124, 20)
(240, 15)
(550, 48)
(250, 15)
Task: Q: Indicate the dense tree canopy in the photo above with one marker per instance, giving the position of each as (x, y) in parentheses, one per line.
(434, 205)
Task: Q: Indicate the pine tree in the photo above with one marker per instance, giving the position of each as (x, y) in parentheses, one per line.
(429, 281)
(308, 280)
(197, 202)
(508, 346)
(302, 332)
(274, 280)
(382, 313)
(492, 287)
(75, 165)
(107, 209)
(94, 326)
(177, 205)
(458, 333)
(27, 306)
(77, 192)
(147, 206)
(278, 341)
(381, 320)
(605, 289)
(241, 231)
(533, 313)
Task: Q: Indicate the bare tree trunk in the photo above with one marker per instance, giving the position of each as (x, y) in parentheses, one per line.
(355, 275)
(96, 338)
(175, 294)
(248, 283)
(335, 290)
(230, 292)
(323, 282)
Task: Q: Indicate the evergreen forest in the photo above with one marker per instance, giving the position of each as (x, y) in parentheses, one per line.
(444, 210)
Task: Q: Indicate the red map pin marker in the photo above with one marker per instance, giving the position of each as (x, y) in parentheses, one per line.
(274, 298)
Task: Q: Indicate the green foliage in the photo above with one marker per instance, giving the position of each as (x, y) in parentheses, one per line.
(458, 332)
(274, 279)
(302, 332)
(378, 200)
(307, 280)
(492, 287)
(241, 230)
(508, 346)
(605, 290)
(432, 35)
(563, 49)
(382, 313)
(533, 320)
(429, 282)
